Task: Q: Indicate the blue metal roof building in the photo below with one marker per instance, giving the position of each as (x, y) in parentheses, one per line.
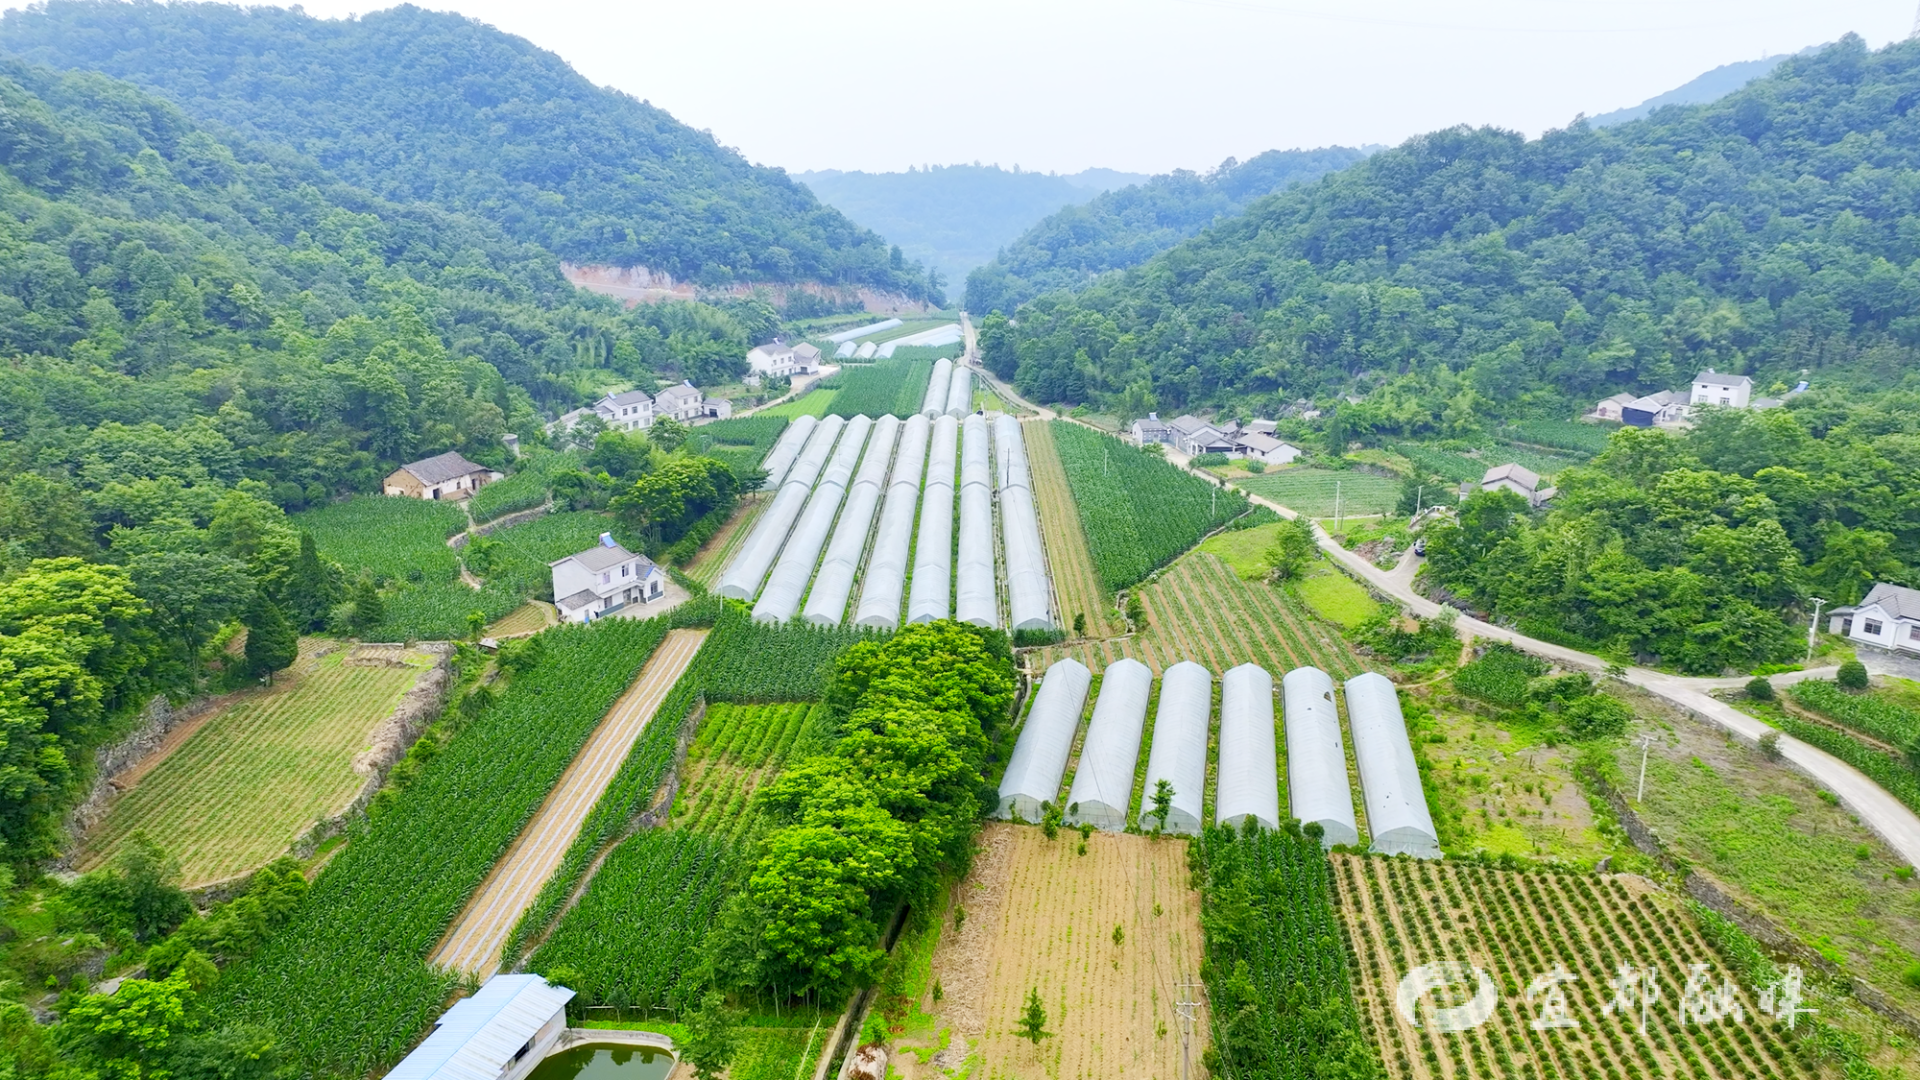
(500, 1033)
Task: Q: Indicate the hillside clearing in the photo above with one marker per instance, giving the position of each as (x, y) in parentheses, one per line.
(250, 780)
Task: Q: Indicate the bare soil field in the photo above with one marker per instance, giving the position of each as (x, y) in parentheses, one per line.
(477, 937)
(1039, 916)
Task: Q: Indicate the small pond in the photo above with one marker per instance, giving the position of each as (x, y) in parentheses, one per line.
(605, 1061)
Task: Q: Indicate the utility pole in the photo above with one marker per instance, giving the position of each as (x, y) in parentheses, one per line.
(1646, 742)
(1419, 501)
(1336, 506)
(1187, 1008)
(1813, 628)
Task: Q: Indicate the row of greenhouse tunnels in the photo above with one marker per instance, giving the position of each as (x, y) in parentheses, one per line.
(870, 506)
(1103, 791)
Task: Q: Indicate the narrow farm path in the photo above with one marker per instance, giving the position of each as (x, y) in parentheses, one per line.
(474, 944)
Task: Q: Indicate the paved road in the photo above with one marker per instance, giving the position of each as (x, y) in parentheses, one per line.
(1887, 816)
(474, 944)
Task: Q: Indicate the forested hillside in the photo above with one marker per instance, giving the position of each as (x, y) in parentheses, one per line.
(950, 217)
(1470, 274)
(1127, 226)
(424, 106)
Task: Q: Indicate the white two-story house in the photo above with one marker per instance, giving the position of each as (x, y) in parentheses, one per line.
(1712, 388)
(1888, 618)
(778, 360)
(604, 579)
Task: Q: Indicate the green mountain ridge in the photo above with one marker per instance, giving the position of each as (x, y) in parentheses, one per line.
(1125, 226)
(1476, 273)
(419, 106)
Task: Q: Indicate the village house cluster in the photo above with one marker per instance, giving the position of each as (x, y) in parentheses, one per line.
(1193, 436)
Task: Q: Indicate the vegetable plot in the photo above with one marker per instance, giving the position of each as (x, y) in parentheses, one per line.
(345, 985)
(1869, 715)
(1138, 511)
(393, 539)
(887, 387)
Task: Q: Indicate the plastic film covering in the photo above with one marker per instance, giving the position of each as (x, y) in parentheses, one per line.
(960, 392)
(1010, 454)
(833, 584)
(885, 581)
(931, 594)
(785, 449)
(791, 572)
(1179, 753)
(1029, 594)
(935, 402)
(865, 351)
(1397, 811)
(862, 331)
(1103, 784)
(1249, 768)
(976, 597)
(976, 458)
(1317, 788)
(750, 564)
(1040, 756)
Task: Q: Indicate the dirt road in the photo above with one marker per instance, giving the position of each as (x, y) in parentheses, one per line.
(475, 942)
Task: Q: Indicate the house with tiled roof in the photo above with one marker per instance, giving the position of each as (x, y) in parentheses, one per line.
(1888, 618)
(443, 476)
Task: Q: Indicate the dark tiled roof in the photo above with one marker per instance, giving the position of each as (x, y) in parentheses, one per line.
(441, 468)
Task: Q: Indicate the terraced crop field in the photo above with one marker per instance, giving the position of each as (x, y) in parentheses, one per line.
(1076, 585)
(739, 748)
(246, 783)
(1198, 609)
(391, 538)
(1518, 927)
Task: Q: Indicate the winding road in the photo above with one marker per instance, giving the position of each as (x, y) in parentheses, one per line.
(1886, 816)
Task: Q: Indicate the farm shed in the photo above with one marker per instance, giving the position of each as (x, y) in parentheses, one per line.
(827, 602)
(1317, 788)
(750, 564)
(976, 597)
(931, 594)
(1179, 753)
(960, 393)
(500, 1033)
(1029, 598)
(886, 576)
(1396, 804)
(1249, 769)
(781, 457)
(1040, 756)
(935, 402)
(1103, 784)
(788, 582)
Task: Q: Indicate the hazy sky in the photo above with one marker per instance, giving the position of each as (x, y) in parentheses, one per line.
(1143, 85)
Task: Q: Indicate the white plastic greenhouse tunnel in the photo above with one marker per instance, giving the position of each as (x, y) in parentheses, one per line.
(845, 351)
(794, 568)
(863, 331)
(960, 392)
(1317, 788)
(935, 402)
(866, 351)
(1103, 783)
(785, 449)
(827, 601)
(1397, 813)
(883, 586)
(930, 595)
(1179, 752)
(1040, 755)
(748, 569)
(976, 597)
(1029, 594)
(1249, 778)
